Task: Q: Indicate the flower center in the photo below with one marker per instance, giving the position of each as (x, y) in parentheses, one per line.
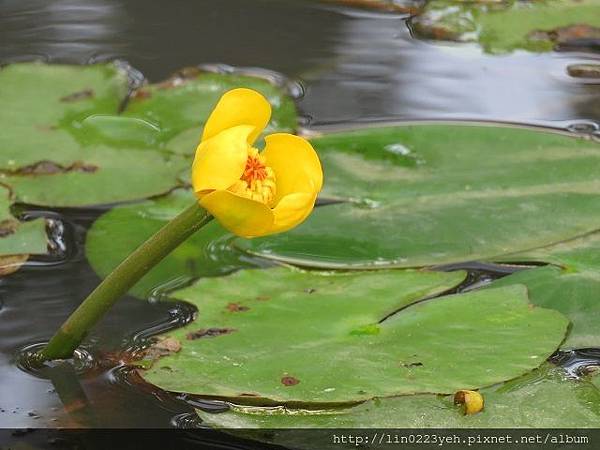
(258, 180)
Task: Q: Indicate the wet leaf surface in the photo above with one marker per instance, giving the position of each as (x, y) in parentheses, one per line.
(337, 339)
(541, 399)
(65, 142)
(436, 194)
(571, 285)
(18, 239)
(501, 27)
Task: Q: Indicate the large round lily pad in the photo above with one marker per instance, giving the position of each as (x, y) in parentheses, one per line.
(121, 230)
(571, 285)
(541, 399)
(435, 194)
(282, 335)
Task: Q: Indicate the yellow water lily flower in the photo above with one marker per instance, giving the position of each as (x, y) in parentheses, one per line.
(253, 193)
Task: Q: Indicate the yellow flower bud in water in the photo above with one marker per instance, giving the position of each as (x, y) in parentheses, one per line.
(472, 401)
(253, 193)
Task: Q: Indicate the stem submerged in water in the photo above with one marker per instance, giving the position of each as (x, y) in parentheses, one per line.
(121, 279)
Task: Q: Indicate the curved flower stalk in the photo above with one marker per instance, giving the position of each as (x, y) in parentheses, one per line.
(251, 193)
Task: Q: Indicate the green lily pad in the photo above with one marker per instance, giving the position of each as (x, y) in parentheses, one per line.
(282, 335)
(435, 194)
(18, 238)
(180, 106)
(65, 142)
(541, 399)
(121, 230)
(571, 285)
(506, 26)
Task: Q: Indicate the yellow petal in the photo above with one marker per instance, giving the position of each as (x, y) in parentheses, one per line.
(295, 163)
(220, 160)
(241, 216)
(239, 107)
(292, 210)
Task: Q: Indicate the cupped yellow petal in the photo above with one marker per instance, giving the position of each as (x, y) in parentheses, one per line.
(295, 163)
(292, 210)
(220, 160)
(239, 107)
(242, 216)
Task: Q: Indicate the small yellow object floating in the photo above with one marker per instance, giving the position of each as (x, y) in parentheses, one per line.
(471, 401)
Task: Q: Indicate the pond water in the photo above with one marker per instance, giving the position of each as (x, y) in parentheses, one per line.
(350, 65)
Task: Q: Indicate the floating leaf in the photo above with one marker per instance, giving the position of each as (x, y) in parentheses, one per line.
(180, 105)
(18, 239)
(435, 194)
(571, 285)
(65, 143)
(541, 399)
(121, 230)
(506, 26)
(312, 337)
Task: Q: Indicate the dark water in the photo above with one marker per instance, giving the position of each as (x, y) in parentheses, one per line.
(355, 66)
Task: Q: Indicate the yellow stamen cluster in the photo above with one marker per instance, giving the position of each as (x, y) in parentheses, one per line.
(258, 180)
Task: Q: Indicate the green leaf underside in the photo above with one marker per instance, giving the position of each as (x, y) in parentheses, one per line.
(541, 399)
(334, 344)
(121, 230)
(19, 238)
(65, 144)
(506, 26)
(571, 285)
(436, 194)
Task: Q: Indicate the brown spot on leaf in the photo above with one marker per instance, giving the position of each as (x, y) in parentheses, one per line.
(263, 298)
(11, 263)
(289, 381)
(51, 168)
(248, 394)
(310, 290)
(76, 96)
(564, 35)
(208, 332)
(180, 77)
(168, 344)
(8, 227)
(411, 365)
(141, 94)
(236, 307)
(163, 346)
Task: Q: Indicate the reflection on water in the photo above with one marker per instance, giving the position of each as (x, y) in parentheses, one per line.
(355, 66)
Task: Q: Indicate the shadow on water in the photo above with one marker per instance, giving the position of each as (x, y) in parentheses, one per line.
(355, 66)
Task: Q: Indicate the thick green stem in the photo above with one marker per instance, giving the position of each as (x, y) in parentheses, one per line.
(121, 279)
